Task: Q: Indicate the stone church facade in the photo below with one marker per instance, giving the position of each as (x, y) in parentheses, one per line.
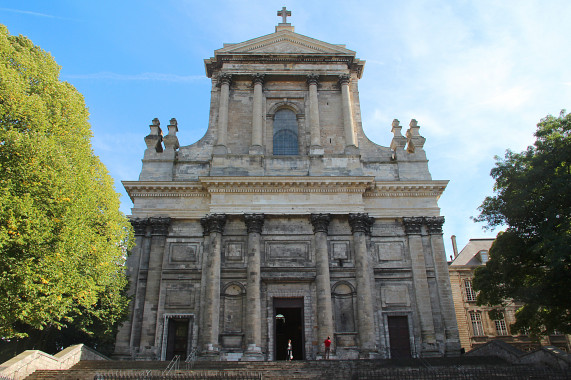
(286, 222)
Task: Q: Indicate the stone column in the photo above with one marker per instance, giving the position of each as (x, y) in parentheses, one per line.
(257, 119)
(434, 227)
(322, 281)
(203, 300)
(361, 227)
(412, 228)
(211, 318)
(315, 148)
(224, 80)
(123, 346)
(254, 224)
(350, 140)
(159, 232)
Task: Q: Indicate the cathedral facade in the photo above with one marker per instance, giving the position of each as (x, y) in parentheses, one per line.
(285, 222)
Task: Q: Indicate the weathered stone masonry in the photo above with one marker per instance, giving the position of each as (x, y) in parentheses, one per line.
(286, 221)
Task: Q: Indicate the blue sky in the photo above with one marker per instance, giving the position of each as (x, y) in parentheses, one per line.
(477, 75)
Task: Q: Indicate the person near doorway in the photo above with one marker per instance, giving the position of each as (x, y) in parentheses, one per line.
(289, 351)
(327, 343)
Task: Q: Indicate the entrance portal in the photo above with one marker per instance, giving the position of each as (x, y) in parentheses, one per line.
(177, 338)
(399, 338)
(288, 314)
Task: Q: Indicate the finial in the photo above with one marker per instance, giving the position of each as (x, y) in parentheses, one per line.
(284, 13)
(156, 121)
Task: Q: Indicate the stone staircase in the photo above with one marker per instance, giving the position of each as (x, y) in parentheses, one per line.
(472, 368)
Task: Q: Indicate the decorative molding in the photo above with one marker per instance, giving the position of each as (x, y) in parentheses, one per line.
(313, 79)
(344, 79)
(407, 189)
(160, 225)
(214, 223)
(286, 184)
(320, 222)
(361, 222)
(207, 185)
(254, 223)
(258, 78)
(139, 225)
(412, 226)
(224, 78)
(434, 224)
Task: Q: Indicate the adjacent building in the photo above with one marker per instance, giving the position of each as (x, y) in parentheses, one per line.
(286, 222)
(474, 324)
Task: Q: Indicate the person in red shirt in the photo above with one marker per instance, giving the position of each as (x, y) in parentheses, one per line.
(327, 343)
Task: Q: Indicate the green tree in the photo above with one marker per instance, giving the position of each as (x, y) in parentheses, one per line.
(63, 240)
(531, 261)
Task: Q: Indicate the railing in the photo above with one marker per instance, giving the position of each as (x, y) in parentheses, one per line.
(173, 365)
(124, 375)
(191, 359)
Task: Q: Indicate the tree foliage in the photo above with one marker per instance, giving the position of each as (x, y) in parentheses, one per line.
(62, 238)
(531, 261)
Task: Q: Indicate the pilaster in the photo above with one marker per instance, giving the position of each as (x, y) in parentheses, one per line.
(325, 328)
(413, 229)
(210, 330)
(315, 129)
(452, 342)
(254, 225)
(224, 80)
(257, 118)
(123, 348)
(361, 225)
(350, 140)
(159, 232)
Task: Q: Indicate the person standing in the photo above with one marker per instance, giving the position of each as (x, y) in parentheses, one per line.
(289, 351)
(327, 343)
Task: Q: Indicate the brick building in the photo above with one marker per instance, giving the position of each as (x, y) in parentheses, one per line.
(475, 326)
(286, 222)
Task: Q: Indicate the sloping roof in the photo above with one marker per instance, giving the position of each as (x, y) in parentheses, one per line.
(468, 255)
(284, 42)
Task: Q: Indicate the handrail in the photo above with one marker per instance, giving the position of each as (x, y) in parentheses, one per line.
(172, 365)
(190, 359)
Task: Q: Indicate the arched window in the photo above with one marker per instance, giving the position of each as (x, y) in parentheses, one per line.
(285, 133)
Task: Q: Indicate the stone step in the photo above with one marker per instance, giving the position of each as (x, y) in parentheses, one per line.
(335, 364)
(489, 373)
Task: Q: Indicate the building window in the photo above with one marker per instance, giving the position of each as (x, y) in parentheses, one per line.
(285, 133)
(476, 319)
(483, 256)
(470, 294)
(501, 328)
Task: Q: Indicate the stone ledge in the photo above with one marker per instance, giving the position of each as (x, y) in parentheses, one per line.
(29, 361)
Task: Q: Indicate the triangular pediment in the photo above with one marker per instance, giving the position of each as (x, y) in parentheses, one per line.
(284, 42)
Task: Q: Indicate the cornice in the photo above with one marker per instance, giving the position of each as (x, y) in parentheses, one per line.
(364, 185)
(286, 184)
(392, 189)
(137, 189)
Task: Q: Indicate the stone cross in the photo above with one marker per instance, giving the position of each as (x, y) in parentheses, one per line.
(284, 13)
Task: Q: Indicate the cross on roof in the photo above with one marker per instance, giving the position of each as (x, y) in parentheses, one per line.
(284, 13)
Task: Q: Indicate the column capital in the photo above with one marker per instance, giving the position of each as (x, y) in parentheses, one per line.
(434, 224)
(344, 79)
(258, 78)
(412, 225)
(361, 222)
(320, 222)
(254, 223)
(224, 78)
(213, 223)
(139, 225)
(160, 225)
(313, 79)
